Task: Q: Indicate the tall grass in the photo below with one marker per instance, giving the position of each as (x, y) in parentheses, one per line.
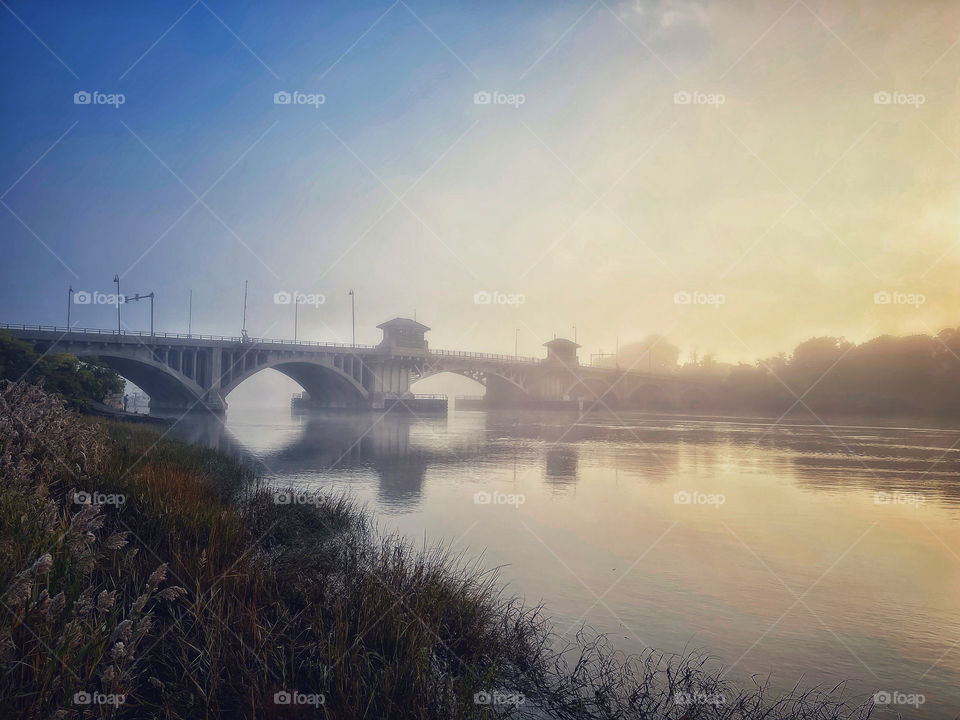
(200, 596)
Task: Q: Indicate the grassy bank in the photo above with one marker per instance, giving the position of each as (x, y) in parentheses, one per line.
(184, 590)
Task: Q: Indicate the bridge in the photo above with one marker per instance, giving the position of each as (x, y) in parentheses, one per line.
(183, 372)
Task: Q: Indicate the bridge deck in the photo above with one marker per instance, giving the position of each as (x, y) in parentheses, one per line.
(143, 338)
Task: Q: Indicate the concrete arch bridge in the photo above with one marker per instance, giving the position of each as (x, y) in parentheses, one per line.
(195, 372)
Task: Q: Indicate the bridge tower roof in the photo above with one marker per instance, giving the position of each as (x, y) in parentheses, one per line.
(402, 324)
(562, 350)
(561, 344)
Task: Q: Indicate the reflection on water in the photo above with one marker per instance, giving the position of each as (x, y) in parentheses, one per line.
(813, 552)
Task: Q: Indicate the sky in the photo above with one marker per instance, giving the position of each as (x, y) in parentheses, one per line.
(736, 176)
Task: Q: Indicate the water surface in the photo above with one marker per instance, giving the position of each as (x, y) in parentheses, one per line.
(807, 552)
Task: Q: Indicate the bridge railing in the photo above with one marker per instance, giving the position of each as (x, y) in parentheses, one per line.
(482, 356)
(178, 336)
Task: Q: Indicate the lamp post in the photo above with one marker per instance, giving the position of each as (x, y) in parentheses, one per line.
(69, 303)
(353, 318)
(296, 307)
(243, 327)
(574, 333)
(516, 340)
(116, 279)
(190, 315)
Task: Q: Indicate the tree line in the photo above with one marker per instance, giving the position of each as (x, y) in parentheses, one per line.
(888, 375)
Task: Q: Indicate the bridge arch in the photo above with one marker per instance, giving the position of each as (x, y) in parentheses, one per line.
(321, 380)
(481, 376)
(164, 385)
(695, 398)
(649, 396)
(593, 390)
(474, 377)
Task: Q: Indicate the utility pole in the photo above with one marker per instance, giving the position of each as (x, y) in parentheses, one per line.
(353, 317)
(116, 279)
(243, 327)
(69, 303)
(190, 315)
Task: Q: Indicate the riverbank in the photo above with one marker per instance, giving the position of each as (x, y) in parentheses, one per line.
(147, 578)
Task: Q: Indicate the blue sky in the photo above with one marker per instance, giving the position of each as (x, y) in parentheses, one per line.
(597, 199)
(198, 82)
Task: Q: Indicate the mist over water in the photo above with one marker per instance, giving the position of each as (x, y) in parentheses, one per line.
(808, 552)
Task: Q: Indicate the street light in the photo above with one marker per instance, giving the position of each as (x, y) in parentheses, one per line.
(574, 333)
(353, 317)
(516, 339)
(116, 279)
(138, 296)
(69, 303)
(296, 307)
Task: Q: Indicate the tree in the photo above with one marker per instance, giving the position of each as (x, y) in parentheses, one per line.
(653, 353)
(80, 382)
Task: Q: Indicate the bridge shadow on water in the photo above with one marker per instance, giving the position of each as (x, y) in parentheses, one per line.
(344, 443)
(399, 450)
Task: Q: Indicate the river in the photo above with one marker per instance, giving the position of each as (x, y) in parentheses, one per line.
(806, 552)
